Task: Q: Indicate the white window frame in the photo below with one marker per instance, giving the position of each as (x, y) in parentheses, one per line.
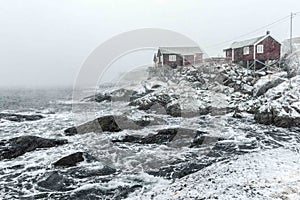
(172, 58)
(246, 50)
(260, 48)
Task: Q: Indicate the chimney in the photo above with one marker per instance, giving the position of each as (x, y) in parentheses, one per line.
(268, 32)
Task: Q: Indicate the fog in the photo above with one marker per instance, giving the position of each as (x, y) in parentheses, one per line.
(43, 43)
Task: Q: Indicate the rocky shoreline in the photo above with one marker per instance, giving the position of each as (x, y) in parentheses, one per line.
(240, 98)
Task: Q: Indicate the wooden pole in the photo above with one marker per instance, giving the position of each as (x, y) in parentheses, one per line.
(291, 33)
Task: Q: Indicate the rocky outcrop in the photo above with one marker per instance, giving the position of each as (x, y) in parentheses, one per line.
(181, 169)
(117, 193)
(70, 160)
(65, 180)
(83, 172)
(203, 138)
(278, 117)
(112, 123)
(280, 105)
(56, 181)
(20, 117)
(174, 110)
(73, 159)
(18, 146)
(267, 82)
(121, 94)
(175, 137)
(149, 101)
(162, 137)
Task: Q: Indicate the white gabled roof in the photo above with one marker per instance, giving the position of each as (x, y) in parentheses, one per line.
(180, 50)
(249, 42)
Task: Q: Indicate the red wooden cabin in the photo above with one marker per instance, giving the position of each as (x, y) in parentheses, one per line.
(178, 56)
(259, 49)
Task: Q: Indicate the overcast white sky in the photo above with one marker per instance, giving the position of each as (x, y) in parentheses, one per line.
(44, 42)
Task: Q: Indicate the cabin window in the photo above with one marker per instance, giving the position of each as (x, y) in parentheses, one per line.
(260, 48)
(172, 57)
(246, 50)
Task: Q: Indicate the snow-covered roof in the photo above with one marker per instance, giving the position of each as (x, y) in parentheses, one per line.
(245, 43)
(180, 50)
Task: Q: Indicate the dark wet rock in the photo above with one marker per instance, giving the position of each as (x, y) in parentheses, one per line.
(202, 138)
(112, 123)
(175, 137)
(273, 116)
(265, 117)
(237, 115)
(70, 160)
(19, 117)
(181, 169)
(20, 145)
(174, 110)
(163, 136)
(268, 139)
(156, 86)
(15, 167)
(82, 172)
(101, 97)
(222, 149)
(71, 131)
(109, 123)
(57, 182)
(96, 193)
(204, 110)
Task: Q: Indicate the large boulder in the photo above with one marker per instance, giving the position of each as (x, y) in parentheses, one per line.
(114, 123)
(18, 146)
(56, 181)
(121, 94)
(267, 82)
(175, 137)
(162, 137)
(179, 170)
(73, 159)
(203, 139)
(20, 117)
(150, 100)
(285, 117)
(118, 193)
(70, 160)
(280, 105)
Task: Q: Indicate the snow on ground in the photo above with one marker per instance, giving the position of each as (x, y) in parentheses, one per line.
(269, 174)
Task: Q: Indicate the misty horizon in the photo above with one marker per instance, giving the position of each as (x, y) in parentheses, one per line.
(45, 43)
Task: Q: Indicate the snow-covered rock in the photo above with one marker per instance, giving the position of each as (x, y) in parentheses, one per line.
(267, 82)
(280, 106)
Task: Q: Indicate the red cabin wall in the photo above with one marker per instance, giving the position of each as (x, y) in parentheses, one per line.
(248, 57)
(188, 59)
(178, 61)
(271, 51)
(238, 55)
(228, 54)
